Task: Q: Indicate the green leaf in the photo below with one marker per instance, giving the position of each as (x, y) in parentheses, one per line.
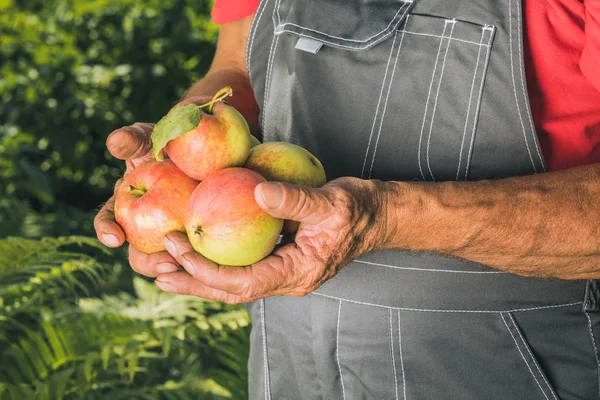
(178, 121)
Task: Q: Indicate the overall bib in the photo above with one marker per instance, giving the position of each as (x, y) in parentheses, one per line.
(418, 90)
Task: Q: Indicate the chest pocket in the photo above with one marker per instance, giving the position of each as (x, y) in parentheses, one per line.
(378, 92)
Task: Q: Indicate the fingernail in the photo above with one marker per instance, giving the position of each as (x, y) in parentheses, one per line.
(165, 268)
(110, 240)
(272, 194)
(171, 248)
(166, 286)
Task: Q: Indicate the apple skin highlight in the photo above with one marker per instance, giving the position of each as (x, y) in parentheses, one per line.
(151, 202)
(221, 140)
(225, 224)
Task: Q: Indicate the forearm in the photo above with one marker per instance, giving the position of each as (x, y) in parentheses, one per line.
(539, 225)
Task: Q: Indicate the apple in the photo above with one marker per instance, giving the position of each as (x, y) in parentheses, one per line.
(203, 139)
(287, 162)
(151, 202)
(225, 224)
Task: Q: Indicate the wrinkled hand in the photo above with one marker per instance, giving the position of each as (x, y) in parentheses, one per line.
(133, 145)
(338, 223)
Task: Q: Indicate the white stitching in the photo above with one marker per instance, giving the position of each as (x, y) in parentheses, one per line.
(279, 31)
(595, 347)
(427, 100)
(469, 106)
(401, 359)
(394, 19)
(532, 357)
(268, 81)
(378, 104)
(528, 111)
(438, 36)
(265, 354)
(427, 269)
(512, 68)
(523, 356)
(437, 94)
(477, 108)
(253, 28)
(393, 357)
(337, 348)
(447, 311)
(385, 105)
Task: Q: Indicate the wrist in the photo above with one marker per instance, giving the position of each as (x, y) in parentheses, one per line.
(388, 195)
(409, 214)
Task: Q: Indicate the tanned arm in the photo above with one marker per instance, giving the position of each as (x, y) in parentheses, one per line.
(229, 69)
(544, 225)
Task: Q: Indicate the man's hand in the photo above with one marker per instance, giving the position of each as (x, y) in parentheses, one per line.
(132, 144)
(338, 223)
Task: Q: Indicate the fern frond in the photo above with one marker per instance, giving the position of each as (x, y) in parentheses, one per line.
(33, 272)
(16, 251)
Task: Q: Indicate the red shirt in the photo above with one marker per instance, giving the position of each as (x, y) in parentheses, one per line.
(562, 67)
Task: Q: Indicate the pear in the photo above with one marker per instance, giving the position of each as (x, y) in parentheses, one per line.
(287, 162)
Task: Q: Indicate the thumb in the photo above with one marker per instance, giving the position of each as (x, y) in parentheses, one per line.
(130, 142)
(296, 203)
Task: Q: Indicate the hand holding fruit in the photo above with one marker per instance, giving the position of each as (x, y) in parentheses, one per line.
(133, 145)
(228, 217)
(338, 223)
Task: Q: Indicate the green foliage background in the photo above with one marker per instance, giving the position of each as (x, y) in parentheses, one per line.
(74, 321)
(71, 72)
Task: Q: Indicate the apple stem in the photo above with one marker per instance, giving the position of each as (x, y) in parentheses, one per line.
(198, 230)
(137, 192)
(220, 95)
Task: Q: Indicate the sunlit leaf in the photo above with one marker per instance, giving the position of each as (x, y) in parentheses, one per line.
(178, 121)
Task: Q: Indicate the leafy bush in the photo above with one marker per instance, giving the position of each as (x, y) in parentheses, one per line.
(74, 322)
(56, 345)
(73, 71)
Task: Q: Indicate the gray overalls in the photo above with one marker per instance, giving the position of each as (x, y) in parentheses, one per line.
(412, 90)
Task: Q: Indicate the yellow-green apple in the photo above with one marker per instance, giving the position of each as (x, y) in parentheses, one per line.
(287, 162)
(225, 224)
(151, 202)
(201, 139)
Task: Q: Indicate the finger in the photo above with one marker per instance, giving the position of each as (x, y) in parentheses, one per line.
(133, 163)
(286, 201)
(178, 246)
(183, 283)
(107, 230)
(271, 276)
(151, 265)
(130, 141)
